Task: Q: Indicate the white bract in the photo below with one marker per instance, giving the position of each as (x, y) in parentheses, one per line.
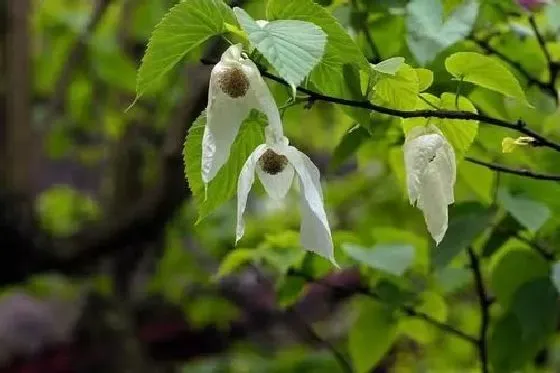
(430, 176)
(236, 87)
(276, 164)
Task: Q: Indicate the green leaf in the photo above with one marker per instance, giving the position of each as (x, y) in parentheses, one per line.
(428, 34)
(224, 185)
(235, 259)
(389, 66)
(187, 25)
(394, 235)
(506, 228)
(526, 326)
(425, 78)
(450, 279)
(505, 346)
(292, 47)
(399, 91)
(466, 222)
(282, 250)
(524, 263)
(531, 214)
(391, 258)
(340, 49)
(535, 304)
(371, 335)
(486, 72)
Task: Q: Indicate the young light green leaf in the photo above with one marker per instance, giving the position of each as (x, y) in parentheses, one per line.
(485, 71)
(425, 78)
(224, 185)
(530, 213)
(378, 323)
(428, 34)
(235, 259)
(340, 48)
(389, 66)
(399, 91)
(184, 27)
(293, 47)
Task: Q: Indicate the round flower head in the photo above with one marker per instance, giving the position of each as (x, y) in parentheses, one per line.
(276, 164)
(236, 87)
(430, 176)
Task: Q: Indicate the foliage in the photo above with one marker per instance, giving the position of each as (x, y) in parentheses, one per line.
(367, 73)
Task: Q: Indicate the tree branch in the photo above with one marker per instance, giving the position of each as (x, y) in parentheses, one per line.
(484, 304)
(407, 310)
(485, 45)
(514, 171)
(552, 67)
(518, 126)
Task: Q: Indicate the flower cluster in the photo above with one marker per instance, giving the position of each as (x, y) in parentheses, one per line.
(236, 87)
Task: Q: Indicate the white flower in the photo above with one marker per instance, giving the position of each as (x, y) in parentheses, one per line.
(430, 176)
(236, 87)
(276, 164)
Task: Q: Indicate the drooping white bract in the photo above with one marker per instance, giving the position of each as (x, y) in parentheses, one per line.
(236, 87)
(276, 164)
(430, 176)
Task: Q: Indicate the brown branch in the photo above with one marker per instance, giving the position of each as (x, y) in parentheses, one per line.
(552, 66)
(519, 126)
(407, 310)
(484, 304)
(514, 171)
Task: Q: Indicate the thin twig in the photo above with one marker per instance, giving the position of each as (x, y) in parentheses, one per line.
(407, 310)
(514, 171)
(518, 126)
(343, 362)
(484, 305)
(374, 50)
(542, 44)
